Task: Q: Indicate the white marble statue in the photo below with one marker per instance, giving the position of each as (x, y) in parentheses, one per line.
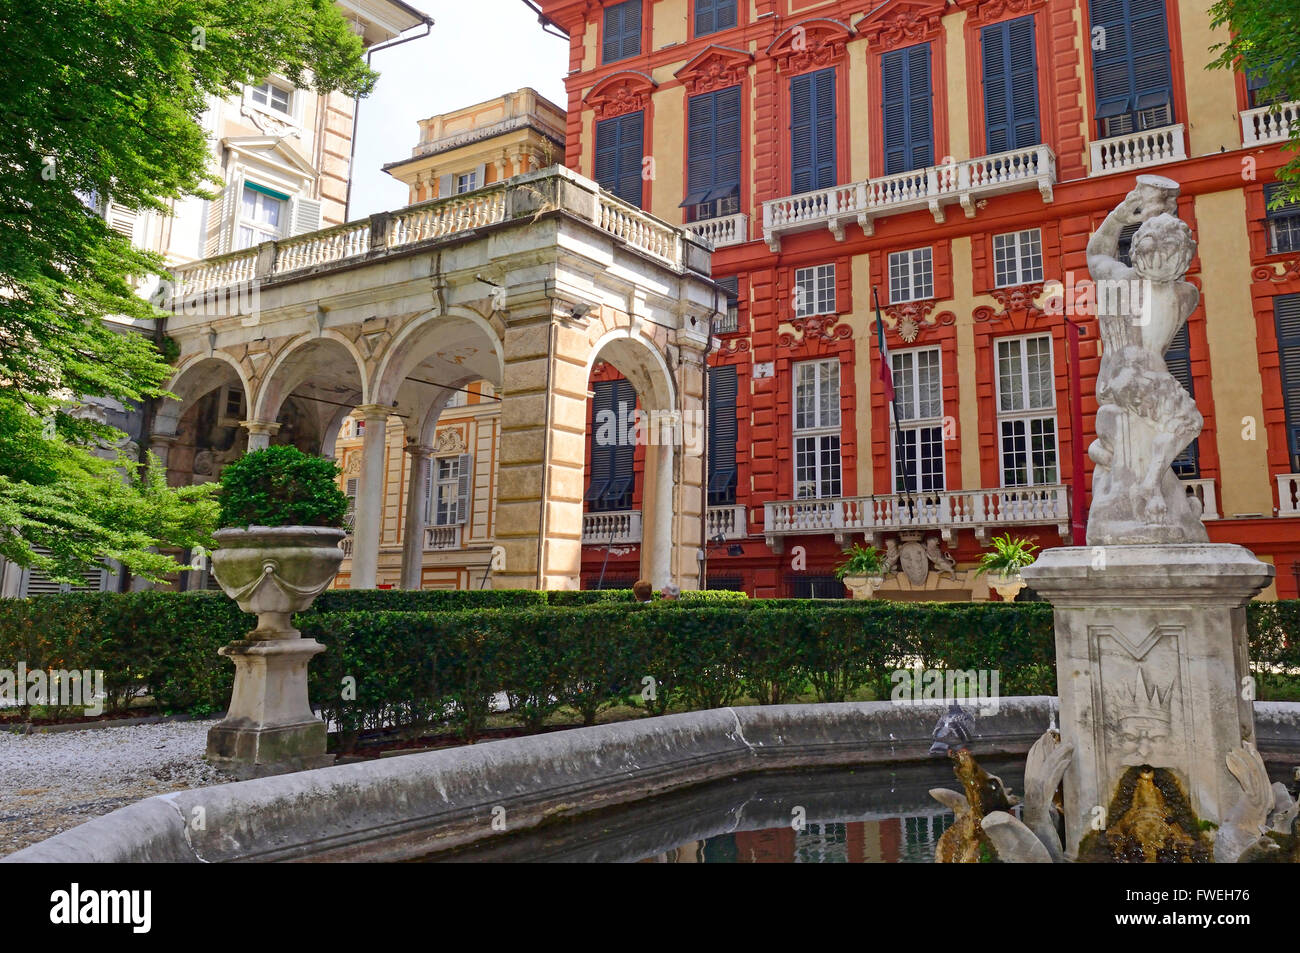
(1145, 418)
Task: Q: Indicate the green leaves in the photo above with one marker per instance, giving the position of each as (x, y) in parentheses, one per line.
(282, 486)
(860, 561)
(1007, 556)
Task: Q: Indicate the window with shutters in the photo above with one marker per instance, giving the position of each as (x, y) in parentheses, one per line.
(911, 275)
(1257, 88)
(613, 449)
(447, 486)
(812, 131)
(814, 290)
(350, 517)
(713, 154)
(908, 106)
(1178, 359)
(1283, 221)
(261, 215)
(730, 323)
(918, 432)
(712, 16)
(722, 436)
(466, 182)
(622, 35)
(817, 429)
(1286, 314)
(1010, 86)
(33, 582)
(1131, 72)
(620, 153)
(1026, 394)
(1018, 257)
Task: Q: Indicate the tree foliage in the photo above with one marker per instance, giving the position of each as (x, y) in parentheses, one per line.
(101, 100)
(1265, 39)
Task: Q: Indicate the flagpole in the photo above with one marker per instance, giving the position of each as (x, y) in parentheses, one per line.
(892, 396)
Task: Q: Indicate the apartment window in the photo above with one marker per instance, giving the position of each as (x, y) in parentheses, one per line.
(1178, 359)
(713, 154)
(1286, 313)
(911, 275)
(722, 436)
(272, 96)
(622, 31)
(467, 182)
(262, 213)
(729, 324)
(1018, 257)
(1026, 411)
(1283, 222)
(358, 427)
(711, 16)
(817, 429)
(909, 120)
(446, 490)
(1132, 77)
(1010, 86)
(812, 131)
(350, 516)
(613, 455)
(918, 432)
(1257, 87)
(814, 291)
(619, 155)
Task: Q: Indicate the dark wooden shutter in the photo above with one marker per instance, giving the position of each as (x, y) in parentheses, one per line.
(1286, 312)
(612, 464)
(622, 33)
(801, 133)
(1131, 69)
(713, 146)
(1010, 85)
(601, 458)
(908, 120)
(726, 176)
(1178, 358)
(722, 435)
(699, 148)
(619, 152)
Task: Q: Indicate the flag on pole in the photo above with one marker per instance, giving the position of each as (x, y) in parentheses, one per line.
(886, 366)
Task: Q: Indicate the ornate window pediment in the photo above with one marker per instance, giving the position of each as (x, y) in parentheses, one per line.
(990, 11)
(716, 67)
(809, 44)
(901, 24)
(622, 92)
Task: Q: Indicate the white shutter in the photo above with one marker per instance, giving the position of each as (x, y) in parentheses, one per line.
(462, 491)
(221, 222)
(445, 186)
(121, 219)
(480, 176)
(428, 492)
(304, 215)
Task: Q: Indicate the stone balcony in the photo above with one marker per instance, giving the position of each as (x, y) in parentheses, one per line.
(442, 538)
(1288, 494)
(1137, 150)
(1268, 124)
(726, 522)
(958, 183)
(945, 512)
(1204, 491)
(613, 528)
(721, 232)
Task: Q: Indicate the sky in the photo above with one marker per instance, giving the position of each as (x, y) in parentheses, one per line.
(478, 49)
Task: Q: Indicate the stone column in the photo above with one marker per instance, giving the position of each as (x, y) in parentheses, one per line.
(369, 512)
(259, 433)
(689, 469)
(657, 516)
(413, 538)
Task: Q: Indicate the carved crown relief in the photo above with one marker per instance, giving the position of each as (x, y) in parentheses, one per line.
(716, 67)
(908, 319)
(817, 328)
(810, 44)
(901, 25)
(623, 92)
(988, 11)
(1017, 304)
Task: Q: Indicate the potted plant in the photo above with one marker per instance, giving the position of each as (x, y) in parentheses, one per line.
(1003, 563)
(282, 514)
(861, 571)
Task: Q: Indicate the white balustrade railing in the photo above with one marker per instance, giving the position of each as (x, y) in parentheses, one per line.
(219, 272)
(447, 216)
(640, 230)
(322, 248)
(441, 538)
(955, 183)
(1138, 149)
(721, 232)
(1268, 124)
(726, 522)
(612, 528)
(945, 509)
(1204, 491)
(1288, 494)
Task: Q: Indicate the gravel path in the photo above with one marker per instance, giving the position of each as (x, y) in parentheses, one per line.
(52, 782)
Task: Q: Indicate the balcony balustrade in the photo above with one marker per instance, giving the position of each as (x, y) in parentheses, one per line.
(726, 522)
(1137, 150)
(442, 538)
(723, 231)
(618, 527)
(1288, 494)
(1204, 491)
(1268, 124)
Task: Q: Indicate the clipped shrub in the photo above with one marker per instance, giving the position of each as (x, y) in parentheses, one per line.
(281, 486)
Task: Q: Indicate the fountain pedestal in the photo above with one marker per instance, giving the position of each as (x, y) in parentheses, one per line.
(1152, 668)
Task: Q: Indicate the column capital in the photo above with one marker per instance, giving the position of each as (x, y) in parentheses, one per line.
(417, 451)
(372, 411)
(162, 439)
(267, 427)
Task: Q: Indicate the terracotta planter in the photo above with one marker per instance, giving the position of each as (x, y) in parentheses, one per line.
(275, 571)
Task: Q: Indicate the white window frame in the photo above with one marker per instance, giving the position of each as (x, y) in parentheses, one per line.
(814, 290)
(269, 88)
(1018, 258)
(1023, 407)
(920, 420)
(911, 275)
(261, 231)
(466, 182)
(817, 433)
(444, 503)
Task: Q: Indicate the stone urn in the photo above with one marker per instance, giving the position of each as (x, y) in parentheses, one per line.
(863, 587)
(273, 572)
(1006, 584)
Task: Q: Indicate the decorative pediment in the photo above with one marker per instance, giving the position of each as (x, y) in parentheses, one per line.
(1017, 305)
(907, 319)
(622, 92)
(990, 11)
(817, 328)
(900, 24)
(1290, 271)
(810, 44)
(716, 67)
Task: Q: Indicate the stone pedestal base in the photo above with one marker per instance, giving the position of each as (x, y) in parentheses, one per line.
(1151, 661)
(270, 727)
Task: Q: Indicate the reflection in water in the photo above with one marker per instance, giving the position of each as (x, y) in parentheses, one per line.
(901, 840)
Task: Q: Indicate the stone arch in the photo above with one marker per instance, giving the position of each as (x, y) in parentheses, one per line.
(443, 340)
(196, 378)
(298, 363)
